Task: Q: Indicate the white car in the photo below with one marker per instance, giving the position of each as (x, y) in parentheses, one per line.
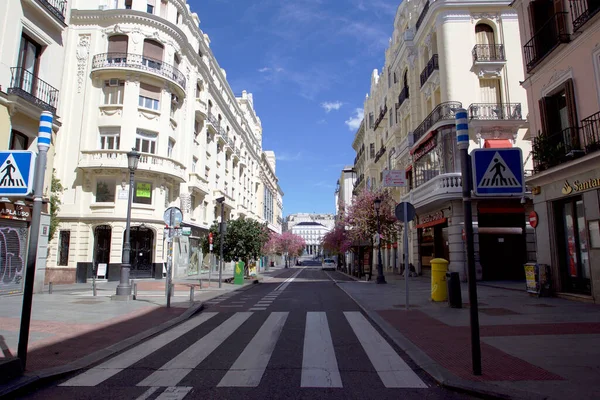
(328, 264)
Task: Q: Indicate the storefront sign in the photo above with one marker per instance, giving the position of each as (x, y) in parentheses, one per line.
(530, 278)
(424, 149)
(143, 190)
(15, 211)
(580, 186)
(431, 219)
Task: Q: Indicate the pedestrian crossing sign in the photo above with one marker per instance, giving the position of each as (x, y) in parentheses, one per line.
(16, 172)
(498, 172)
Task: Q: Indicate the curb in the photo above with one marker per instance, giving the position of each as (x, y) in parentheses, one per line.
(35, 379)
(440, 374)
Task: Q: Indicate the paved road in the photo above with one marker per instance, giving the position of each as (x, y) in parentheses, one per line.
(295, 336)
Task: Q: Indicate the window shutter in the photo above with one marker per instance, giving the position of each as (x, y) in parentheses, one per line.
(531, 13)
(153, 50)
(117, 44)
(560, 20)
(544, 115)
(149, 91)
(571, 106)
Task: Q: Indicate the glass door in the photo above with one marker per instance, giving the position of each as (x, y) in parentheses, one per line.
(28, 60)
(575, 263)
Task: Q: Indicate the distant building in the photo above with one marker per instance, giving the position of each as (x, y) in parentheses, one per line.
(327, 220)
(312, 233)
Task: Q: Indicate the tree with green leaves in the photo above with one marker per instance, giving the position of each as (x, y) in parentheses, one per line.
(56, 188)
(243, 240)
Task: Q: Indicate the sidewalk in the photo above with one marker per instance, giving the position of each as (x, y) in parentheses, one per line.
(531, 347)
(71, 328)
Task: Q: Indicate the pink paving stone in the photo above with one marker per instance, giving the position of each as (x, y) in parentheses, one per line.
(451, 348)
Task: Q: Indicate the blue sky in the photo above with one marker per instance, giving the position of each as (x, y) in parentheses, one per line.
(308, 64)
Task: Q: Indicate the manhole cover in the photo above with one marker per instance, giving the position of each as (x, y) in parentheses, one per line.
(498, 311)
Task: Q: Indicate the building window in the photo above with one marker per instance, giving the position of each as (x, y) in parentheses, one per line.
(149, 97)
(110, 138)
(18, 141)
(113, 91)
(170, 148)
(142, 193)
(167, 196)
(128, 4)
(64, 238)
(205, 211)
(372, 150)
(153, 54)
(29, 58)
(192, 205)
(145, 141)
(150, 7)
(105, 190)
(194, 164)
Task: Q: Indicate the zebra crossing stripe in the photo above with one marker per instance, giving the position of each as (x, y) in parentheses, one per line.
(175, 370)
(174, 393)
(102, 372)
(319, 365)
(248, 369)
(392, 370)
(146, 395)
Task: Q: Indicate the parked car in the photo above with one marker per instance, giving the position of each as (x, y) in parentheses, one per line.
(328, 264)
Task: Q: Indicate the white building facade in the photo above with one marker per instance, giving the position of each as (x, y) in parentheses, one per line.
(32, 50)
(141, 75)
(444, 56)
(312, 233)
(327, 220)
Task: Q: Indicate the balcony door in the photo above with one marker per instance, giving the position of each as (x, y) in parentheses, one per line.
(558, 114)
(153, 54)
(29, 57)
(117, 48)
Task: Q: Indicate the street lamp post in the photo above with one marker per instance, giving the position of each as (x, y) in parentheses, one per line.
(380, 277)
(124, 287)
(221, 201)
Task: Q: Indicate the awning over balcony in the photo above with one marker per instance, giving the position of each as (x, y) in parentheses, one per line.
(497, 144)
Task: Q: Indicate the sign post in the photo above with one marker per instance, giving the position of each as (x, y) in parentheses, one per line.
(172, 217)
(462, 137)
(10, 177)
(405, 212)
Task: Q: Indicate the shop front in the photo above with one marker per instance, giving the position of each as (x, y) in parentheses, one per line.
(14, 235)
(432, 232)
(569, 238)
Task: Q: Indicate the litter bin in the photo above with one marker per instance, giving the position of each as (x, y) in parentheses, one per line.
(439, 291)
(454, 294)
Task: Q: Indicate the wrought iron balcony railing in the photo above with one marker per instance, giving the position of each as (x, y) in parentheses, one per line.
(582, 11)
(57, 8)
(422, 16)
(138, 61)
(549, 150)
(590, 127)
(431, 66)
(443, 111)
(488, 52)
(402, 96)
(28, 86)
(546, 39)
(493, 111)
(380, 153)
(213, 121)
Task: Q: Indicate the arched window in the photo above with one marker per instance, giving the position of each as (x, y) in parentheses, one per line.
(484, 34)
(153, 52)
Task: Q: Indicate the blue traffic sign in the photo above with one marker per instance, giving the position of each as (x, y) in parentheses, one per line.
(16, 172)
(498, 172)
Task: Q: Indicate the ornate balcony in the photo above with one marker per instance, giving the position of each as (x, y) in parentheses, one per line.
(440, 187)
(443, 112)
(108, 61)
(110, 159)
(422, 16)
(213, 125)
(550, 150)
(504, 118)
(198, 183)
(546, 39)
(380, 153)
(582, 11)
(488, 60)
(429, 70)
(57, 8)
(229, 201)
(29, 87)
(590, 128)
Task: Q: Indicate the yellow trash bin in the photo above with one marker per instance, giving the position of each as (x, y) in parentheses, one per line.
(439, 290)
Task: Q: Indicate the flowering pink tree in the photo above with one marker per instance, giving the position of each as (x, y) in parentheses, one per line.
(336, 240)
(362, 218)
(289, 244)
(270, 246)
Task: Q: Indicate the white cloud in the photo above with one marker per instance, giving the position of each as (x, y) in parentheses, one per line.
(288, 157)
(354, 121)
(264, 69)
(331, 105)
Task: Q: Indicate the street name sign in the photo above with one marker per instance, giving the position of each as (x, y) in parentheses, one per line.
(16, 172)
(498, 172)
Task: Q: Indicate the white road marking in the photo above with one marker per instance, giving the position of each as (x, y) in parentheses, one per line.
(175, 370)
(391, 368)
(102, 372)
(232, 305)
(174, 393)
(319, 365)
(285, 283)
(257, 309)
(147, 393)
(248, 369)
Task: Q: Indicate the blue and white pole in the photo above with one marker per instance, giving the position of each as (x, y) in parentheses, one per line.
(462, 138)
(44, 140)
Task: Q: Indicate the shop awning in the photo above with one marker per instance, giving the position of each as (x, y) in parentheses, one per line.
(497, 144)
(432, 223)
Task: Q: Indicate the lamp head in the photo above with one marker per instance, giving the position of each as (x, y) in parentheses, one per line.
(220, 199)
(133, 157)
(377, 204)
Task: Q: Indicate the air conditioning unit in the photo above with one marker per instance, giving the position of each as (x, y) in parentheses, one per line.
(113, 82)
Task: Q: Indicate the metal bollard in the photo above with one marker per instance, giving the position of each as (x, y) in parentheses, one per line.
(94, 288)
(134, 290)
(50, 288)
(191, 293)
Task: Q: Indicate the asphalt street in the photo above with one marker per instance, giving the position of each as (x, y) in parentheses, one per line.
(294, 336)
